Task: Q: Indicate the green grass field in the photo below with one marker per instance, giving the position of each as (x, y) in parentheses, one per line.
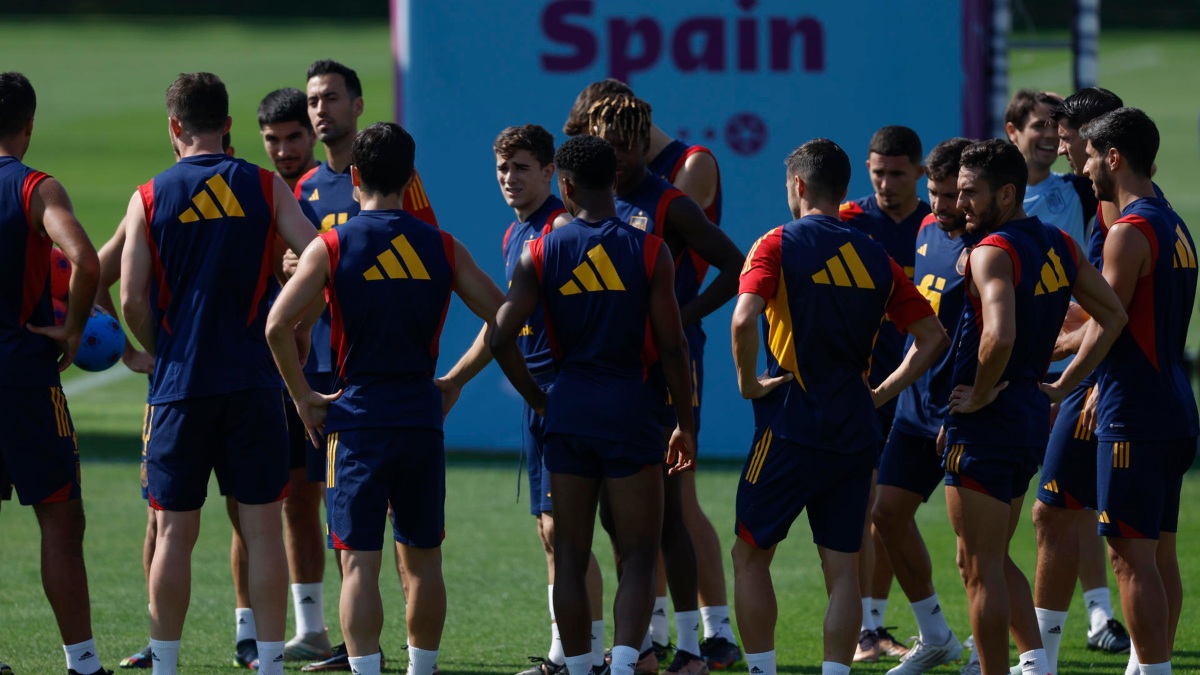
(101, 130)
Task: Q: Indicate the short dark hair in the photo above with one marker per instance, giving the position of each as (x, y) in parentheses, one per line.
(284, 105)
(626, 114)
(1000, 163)
(1022, 104)
(199, 101)
(18, 102)
(1085, 105)
(942, 161)
(590, 161)
(896, 141)
(384, 154)
(823, 166)
(531, 137)
(577, 119)
(331, 67)
(1131, 132)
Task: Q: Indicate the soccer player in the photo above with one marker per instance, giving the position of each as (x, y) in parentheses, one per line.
(650, 203)
(608, 295)
(1049, 197)
(816, 436)
(383, 426)
(1144, 397)
(195, 297)
(910, 470)
(1019, 281)
(1064, 514)
(326, 193)
(40, 454)
(693, 170)
(891, 215)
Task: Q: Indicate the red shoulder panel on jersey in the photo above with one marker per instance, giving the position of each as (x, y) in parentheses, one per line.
(660, 212)
(300, 183)
(32, 179)
(761, 272)
(1070, 246)
(146, 190)
(337, 336)
(1147, 231)
(694, 150)
(537, 255)
(549, 226)
(504, 241)
(448, 248)
(849, 211)
(1003, 244)
(1141, 324)
(906, 304)
(37, 253)
(927, 220)
(266, 181)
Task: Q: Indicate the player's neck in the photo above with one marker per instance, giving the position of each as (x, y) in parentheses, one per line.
(819, 209)
(595, 210)
(1037, 173)
(1133, 189)
(904, 210)
(202, 147)
(658, 140)
(369, 201)
(337, 154)
(524, 214)
(291, 182)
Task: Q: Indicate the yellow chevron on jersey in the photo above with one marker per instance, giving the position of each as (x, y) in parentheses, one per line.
(922, 249)
(1053, 276)
(851, 274)
(1185, 257)
(315, 196)
(412, 267)
(205, 207)
(759, 456)
(595, 274)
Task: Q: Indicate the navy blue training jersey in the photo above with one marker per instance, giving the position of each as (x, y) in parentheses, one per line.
(532, 339)
(26, 359)
(670, 160)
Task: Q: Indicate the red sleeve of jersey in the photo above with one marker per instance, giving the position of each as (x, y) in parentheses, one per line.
(536, 253)
(267, 178)
(549, 226)
(653, 244)
(1070, 246)
(448, 248)
(906, 304)
(762, 271)
(660, 212)
(1002, 243)
(1147, 231)
(416, 202)
(300, 183)
(334, 248)
(504, 242)
(927, 220)
(849, 211)
(146, 190)
(31, 181)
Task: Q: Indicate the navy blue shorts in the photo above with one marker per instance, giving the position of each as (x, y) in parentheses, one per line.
(597, 457)
(241, 436)
(533, 433)
(1001, 472)
(911, 462)
(1069, 468)
(39, 454)
(370, 468)
(224, 481)
(299, 445)
(781, 479)
(1139, 484)
(697, 366)
(322, 383)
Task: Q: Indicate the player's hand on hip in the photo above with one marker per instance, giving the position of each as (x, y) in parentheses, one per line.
(291, 262)
(762, 385)
(312, 409)
(966, 399)
(940, 444)
(681, 451)
(67, 342)
(137, 360)
(1053, 390)
(1090, 419)
(450, 393)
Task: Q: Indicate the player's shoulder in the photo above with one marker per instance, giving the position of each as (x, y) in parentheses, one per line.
(856, 208)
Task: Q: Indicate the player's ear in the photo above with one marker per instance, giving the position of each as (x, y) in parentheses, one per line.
(408, 183)
(357, 106)
(1010, 130)
(548, 172)
(356, 179)
(1113, 158)
(174, 126)
(228, 124)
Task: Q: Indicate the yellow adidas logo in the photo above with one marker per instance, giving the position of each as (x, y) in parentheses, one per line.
(1053, 276)
(595, 274)
(315, 196)
(412, 268)
(1052, 486)
(922, 249)
(1185, 257)
(206, 203)
(1104, 518)
(840, 274)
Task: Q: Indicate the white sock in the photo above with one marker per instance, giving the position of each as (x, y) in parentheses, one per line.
(1099, 607)
(1051, 624)
(579, 665)
(1156, 668)
(931, 622)
(868, 620)
(878, 610)
(762, 663)
(716, 622)
(1132, 668)
(1033, 662)
(832, 668)
(660, 629)
(598, 642)
(648, 641)
(687, 632)
(551, 591)
(624, 660)
(365, 665)
(309, 602)
(270, 658)
(421, 661)
(555, 655)
(166, 656)
(82, 657)
(244, 620)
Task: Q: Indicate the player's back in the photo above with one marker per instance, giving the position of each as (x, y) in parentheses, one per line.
(822, 322)
(595, 280)
(391, 276)
(1144, 389)
(1044, 271)
(26, 359)
(211, 232)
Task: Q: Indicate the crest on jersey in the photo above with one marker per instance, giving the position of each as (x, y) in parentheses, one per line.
(961, 265)
(640, 222)
(1055, 201)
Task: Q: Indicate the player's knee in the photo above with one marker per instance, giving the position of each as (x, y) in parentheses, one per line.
(886, 517)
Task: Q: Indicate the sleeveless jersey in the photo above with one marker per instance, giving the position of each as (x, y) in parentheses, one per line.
(327, 198)
(595, 280)
(670, 160)
(646, 209)
(390, 281)
(940, 268)
(532, 339)
(827, 289)
(210, 226)
(1144, 390)
(1044, 270)
(26, 359)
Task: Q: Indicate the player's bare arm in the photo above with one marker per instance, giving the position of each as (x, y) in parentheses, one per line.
(673, 350)
(135, 276)
(1071, 336)
(993, 283)
(51, 212)
(110, 273)
(929, 341)
(292, 314)
(523, 296)
(1107, 308)
(698, 178)
(692, 228)
(745, 348)
(561, 220)
(483, 297)
(294, 228)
